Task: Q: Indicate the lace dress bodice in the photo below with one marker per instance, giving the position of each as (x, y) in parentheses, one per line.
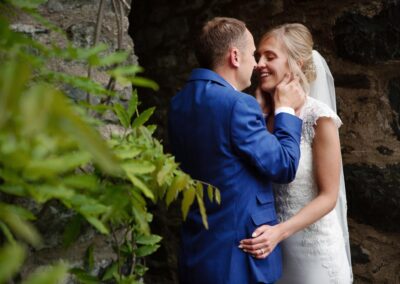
(290, 198)
(323, 239)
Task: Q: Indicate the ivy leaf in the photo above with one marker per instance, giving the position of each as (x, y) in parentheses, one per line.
(49, 275)
(11, 259)
(79, 82)
(89, 258)
(13, 78)
(85, 52)
(57, 165)
(7, 233)
(143, 82)
(44, 192)
(124, 71)
(110, 272)
(72, 230)
(217, 196)
(148, 240)
(83, 276)
(133, 103)
(98, 225)
(188, 198)
(200, 202)
(179, 182)
(143, 117)
(113, 58)
(141, 219)
(94, 209)
(124, 74)
(27, 4)
(87, 182)
(138, 167)
(146, 250)
(127, 153)
(140, 269)
(23, 213)
(166, 170)
(18, 226)
(210, 193)
(139, 184)
(12, 188)
(87, 137)
(122, 115)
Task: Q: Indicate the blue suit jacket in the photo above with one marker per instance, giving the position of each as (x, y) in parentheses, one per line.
(219, 136)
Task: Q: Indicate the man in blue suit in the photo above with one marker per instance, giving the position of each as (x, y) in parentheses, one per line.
(218, 135)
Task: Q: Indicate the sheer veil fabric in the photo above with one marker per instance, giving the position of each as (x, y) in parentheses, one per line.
(323, 89)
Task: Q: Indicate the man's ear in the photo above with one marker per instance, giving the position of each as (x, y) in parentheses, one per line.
(234, 56)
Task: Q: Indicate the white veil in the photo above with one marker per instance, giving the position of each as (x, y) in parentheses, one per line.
(323, 89)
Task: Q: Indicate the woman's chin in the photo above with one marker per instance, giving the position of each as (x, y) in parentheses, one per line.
(266, 88)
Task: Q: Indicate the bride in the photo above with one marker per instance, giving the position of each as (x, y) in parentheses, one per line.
(313, 231)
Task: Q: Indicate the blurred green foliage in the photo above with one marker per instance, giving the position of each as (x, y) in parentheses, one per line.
(51, 149)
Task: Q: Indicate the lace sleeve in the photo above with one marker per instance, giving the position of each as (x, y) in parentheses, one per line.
(314, 110)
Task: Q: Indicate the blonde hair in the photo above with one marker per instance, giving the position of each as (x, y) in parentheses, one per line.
(298, 43)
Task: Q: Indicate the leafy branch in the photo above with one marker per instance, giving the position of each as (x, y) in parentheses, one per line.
(51, 150)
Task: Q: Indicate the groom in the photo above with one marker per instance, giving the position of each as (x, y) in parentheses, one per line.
(218, 135)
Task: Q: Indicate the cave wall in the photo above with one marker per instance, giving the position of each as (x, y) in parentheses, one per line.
(361, 43)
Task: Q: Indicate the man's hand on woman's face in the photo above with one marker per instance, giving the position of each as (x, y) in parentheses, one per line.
(289, 93)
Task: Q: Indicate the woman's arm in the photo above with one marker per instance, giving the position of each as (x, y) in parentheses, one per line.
(327, 162)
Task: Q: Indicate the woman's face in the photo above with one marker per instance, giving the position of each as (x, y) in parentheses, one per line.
(272, 65)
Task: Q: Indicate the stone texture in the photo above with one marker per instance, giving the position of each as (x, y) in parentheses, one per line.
(384, 150)
(394, 99)
(375, 254)
(367, 40)
(356, 81)
(369, 115)
(373, 194)
(365, 62)
(363, 59)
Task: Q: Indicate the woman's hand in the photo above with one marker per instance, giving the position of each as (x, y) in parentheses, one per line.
(265, 239)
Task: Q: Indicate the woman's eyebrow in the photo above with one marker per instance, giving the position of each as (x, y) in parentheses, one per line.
(266, 52)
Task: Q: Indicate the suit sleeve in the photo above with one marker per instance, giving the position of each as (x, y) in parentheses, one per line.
(277, 155)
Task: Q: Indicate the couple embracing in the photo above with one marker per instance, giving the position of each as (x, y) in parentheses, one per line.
(275, 159)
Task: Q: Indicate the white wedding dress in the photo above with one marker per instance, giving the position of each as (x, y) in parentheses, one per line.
(316, 254)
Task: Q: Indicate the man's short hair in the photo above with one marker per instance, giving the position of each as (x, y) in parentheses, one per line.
(216, 37)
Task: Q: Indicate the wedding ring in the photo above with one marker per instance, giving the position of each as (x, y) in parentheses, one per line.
(262, 250)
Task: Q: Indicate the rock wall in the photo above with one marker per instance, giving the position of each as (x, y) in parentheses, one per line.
(360, 41)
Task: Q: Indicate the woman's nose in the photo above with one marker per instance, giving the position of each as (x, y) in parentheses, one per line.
(261, 62)
(260, 65)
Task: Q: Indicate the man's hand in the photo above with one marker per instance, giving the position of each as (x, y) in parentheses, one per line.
(289, 93)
